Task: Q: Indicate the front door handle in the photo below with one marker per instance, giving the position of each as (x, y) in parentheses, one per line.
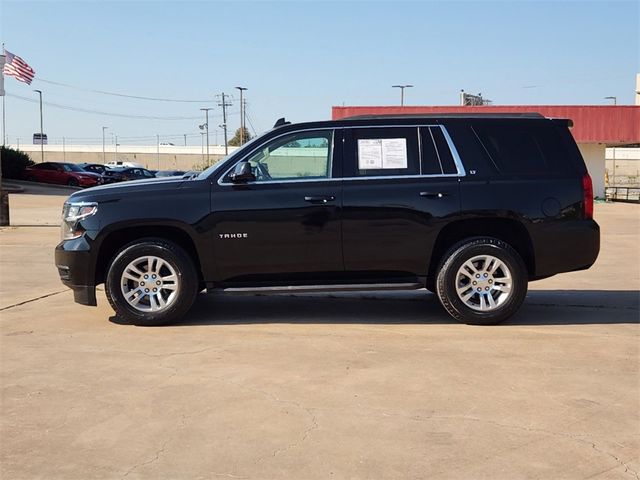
(433, 194)
(319, 198)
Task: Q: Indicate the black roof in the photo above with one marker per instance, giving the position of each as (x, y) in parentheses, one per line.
(395, 119)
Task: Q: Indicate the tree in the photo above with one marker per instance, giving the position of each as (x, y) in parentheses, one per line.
(235, 141)
(14, 162)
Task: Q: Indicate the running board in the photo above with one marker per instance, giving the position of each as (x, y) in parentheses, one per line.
(324, 288)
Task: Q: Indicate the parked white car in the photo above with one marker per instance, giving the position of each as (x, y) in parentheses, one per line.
(118, 163)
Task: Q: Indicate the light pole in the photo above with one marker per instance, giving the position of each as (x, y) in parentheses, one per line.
(104, 155)
(615, 99)
(202, 145)
(401, 87)
(242, 89)
(41, 128)
(158, 150)
(206, 126)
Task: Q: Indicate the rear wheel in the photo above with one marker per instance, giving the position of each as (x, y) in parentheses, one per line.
(73, 182)
(151, 282)
(482, 281)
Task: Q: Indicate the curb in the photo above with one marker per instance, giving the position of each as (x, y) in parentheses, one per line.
(25, 183)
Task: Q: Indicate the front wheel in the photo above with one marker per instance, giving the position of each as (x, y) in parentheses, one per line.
(482, 281)
(151, 282)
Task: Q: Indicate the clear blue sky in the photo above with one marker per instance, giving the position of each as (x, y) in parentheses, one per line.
(299, 58)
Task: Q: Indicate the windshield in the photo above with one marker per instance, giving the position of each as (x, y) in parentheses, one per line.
(68, 167)
(207, 172)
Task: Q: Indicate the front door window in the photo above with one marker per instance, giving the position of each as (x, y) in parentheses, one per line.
(299, 156)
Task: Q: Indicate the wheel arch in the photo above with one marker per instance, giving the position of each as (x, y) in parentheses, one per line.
(118, 238)
(510, 231)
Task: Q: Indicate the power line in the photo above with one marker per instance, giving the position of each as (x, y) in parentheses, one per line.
(97, 112)
(115, 94)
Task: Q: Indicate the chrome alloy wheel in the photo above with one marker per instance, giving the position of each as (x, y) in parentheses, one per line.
(483, 283)
(149, 284)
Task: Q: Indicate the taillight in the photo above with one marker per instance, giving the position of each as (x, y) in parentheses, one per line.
(587, 196)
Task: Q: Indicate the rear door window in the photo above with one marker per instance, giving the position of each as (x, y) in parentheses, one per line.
(385, 151)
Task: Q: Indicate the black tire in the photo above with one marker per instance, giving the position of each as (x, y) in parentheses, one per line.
(446, 281)
(72, 182)
(171, 253)
(31, 178)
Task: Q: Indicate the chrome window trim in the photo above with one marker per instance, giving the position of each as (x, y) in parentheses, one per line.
(454, 151)
(452, 148)
(396, 177)
(333, 139)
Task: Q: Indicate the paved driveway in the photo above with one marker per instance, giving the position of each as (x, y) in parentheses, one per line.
(322, 386)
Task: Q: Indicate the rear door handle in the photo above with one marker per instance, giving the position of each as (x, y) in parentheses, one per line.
(433, 194)
(319, 198)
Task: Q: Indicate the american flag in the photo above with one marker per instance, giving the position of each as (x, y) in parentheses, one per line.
(19, 69)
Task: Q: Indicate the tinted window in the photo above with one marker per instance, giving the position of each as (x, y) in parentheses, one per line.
(436, 155)
(444, 153)
(523, 148)
(383, 152)
(430, 158)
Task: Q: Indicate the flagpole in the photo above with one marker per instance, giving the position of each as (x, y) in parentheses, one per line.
(4, 116)
(4, 196)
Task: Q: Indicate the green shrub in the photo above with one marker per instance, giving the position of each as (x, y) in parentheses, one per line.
(14, 162)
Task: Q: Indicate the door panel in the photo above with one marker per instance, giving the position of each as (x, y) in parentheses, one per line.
(391, 225)
(271, 229)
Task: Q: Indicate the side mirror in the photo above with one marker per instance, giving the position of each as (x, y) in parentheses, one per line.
(242, 173)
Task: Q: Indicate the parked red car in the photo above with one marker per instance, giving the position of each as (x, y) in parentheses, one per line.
(63, 173)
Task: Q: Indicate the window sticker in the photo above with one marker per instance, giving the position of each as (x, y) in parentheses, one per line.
(382, 153)
(369, 154)
(394, 153)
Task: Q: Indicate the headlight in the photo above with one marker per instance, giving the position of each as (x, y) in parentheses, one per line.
(72, 214)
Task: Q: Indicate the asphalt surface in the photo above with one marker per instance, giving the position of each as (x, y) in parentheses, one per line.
(375, 385)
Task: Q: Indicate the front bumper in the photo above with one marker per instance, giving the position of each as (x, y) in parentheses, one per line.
(76, 269)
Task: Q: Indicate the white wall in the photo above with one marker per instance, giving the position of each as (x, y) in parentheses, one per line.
(593, 154)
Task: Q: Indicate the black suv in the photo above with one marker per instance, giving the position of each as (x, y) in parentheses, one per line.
(471, 207)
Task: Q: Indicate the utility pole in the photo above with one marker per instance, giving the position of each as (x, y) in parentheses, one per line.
(41, 129)
(224, 106)
(158, 150)
(64, 152)
(104, 155)
(242, 89)
(185, 139)
(401, 87)
(206, 126)
(115, 152)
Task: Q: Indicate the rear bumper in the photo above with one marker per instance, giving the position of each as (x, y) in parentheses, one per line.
(565, 246)
(76, 269)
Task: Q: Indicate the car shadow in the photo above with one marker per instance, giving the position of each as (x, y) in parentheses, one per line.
(542, 307)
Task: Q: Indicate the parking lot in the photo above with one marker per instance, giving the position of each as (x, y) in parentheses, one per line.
(373, 385)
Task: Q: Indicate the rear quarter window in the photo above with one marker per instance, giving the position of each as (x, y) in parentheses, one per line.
(524, 148)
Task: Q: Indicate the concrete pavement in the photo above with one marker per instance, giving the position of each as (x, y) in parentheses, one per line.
(376, 385)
